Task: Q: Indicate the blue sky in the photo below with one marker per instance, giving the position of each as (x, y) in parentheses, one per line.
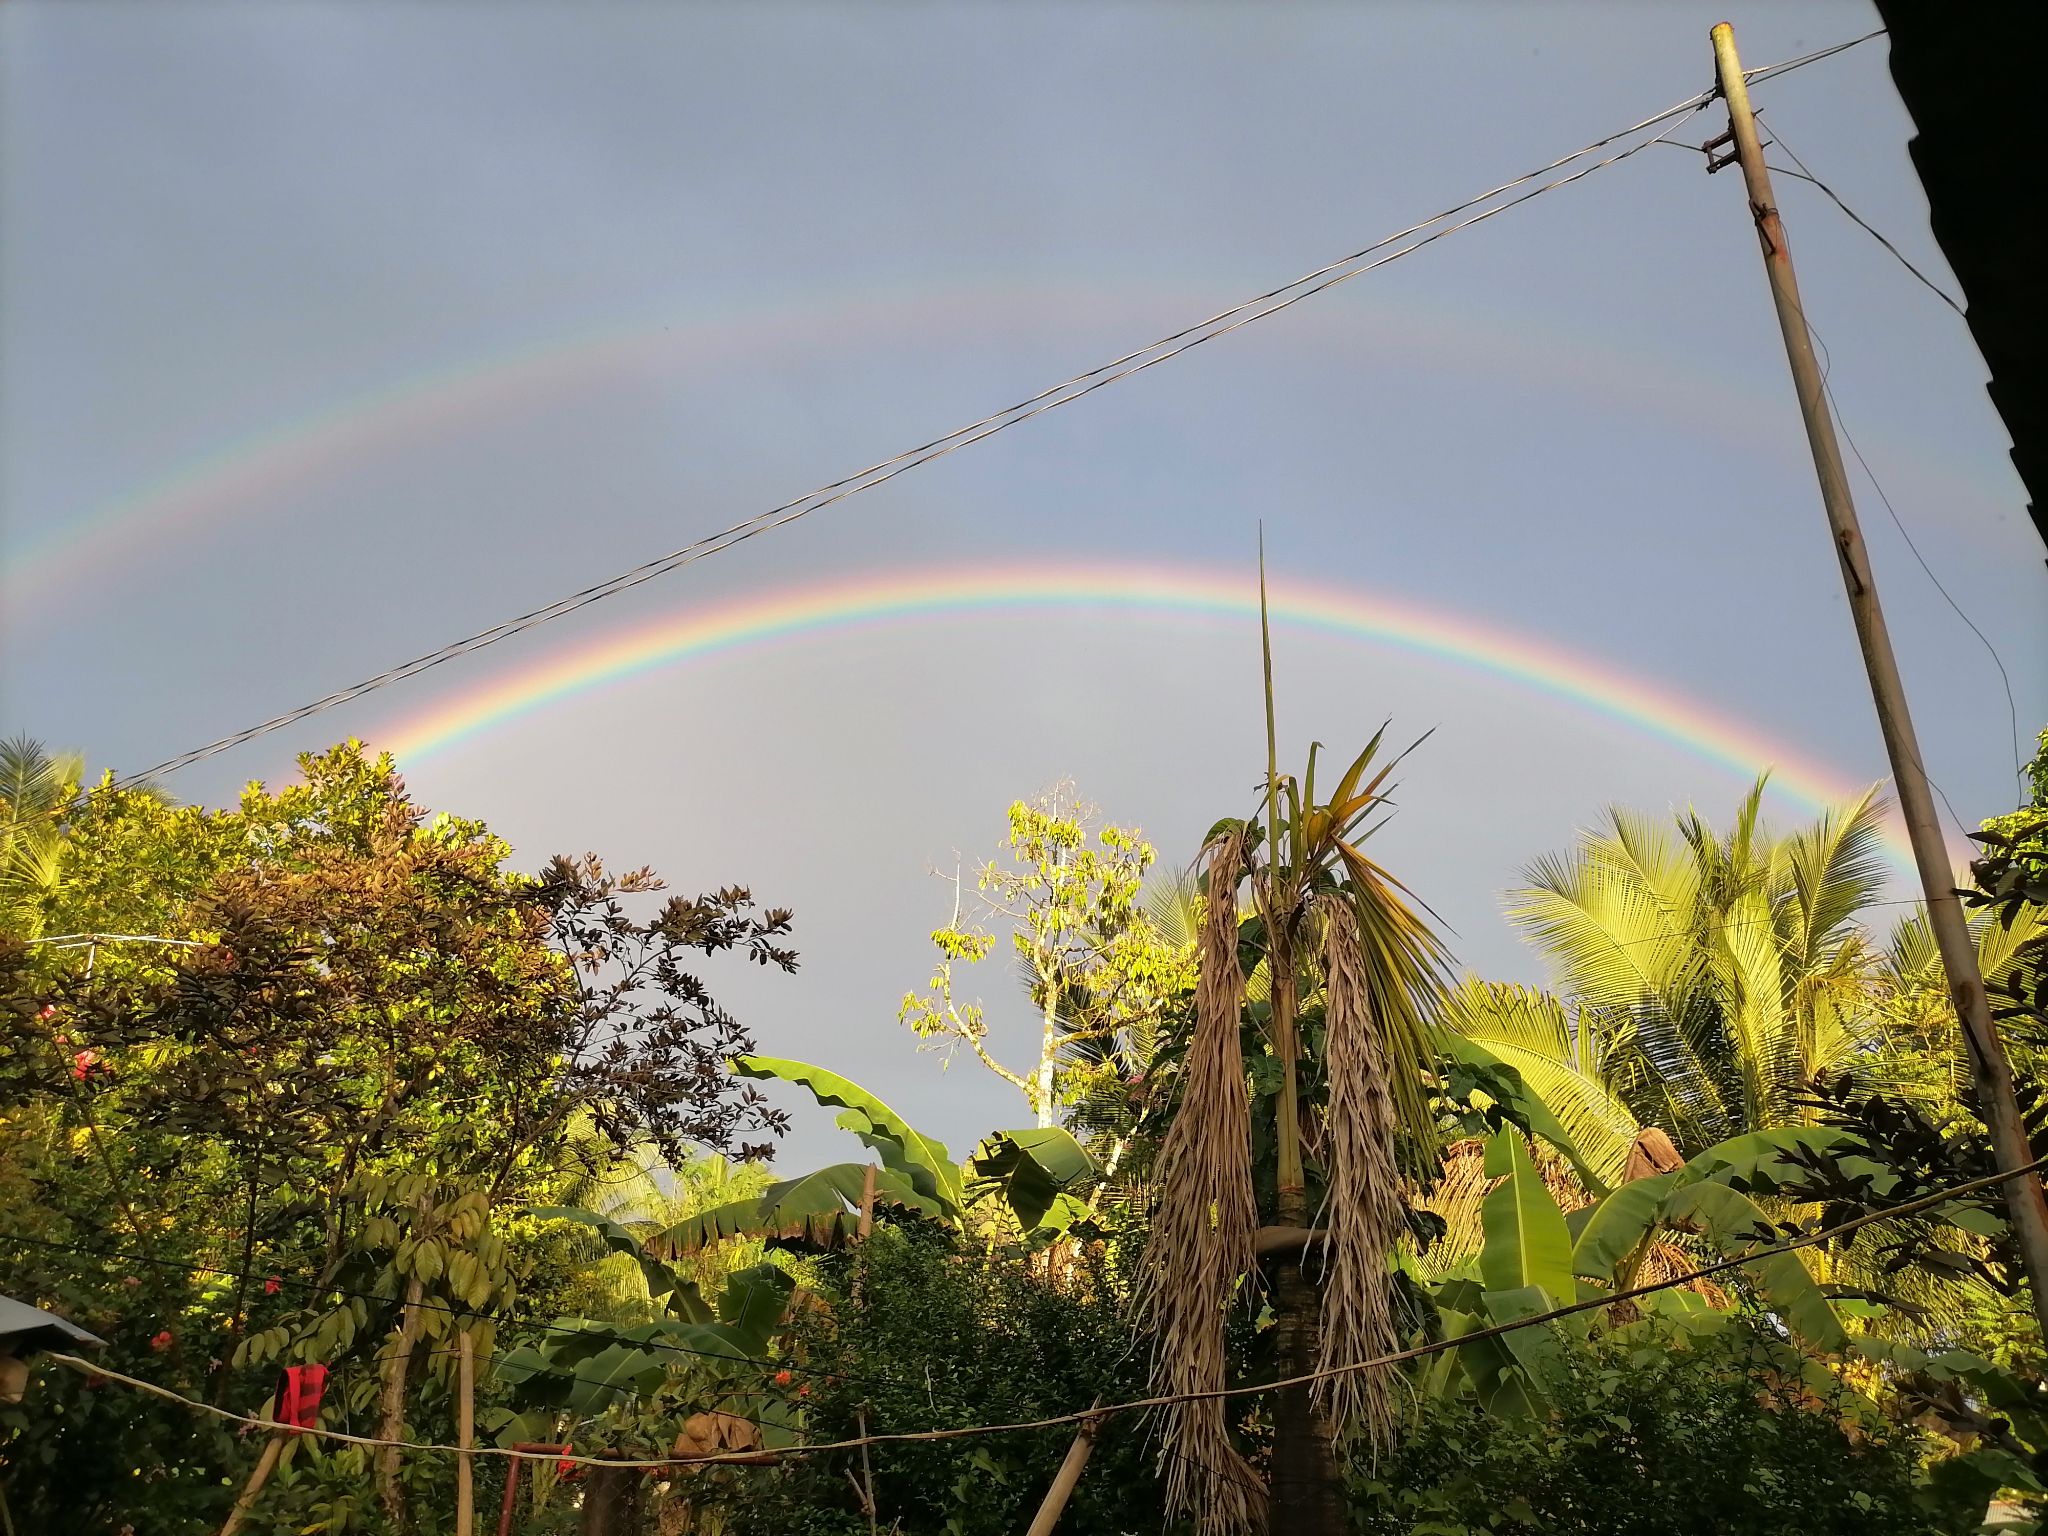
(785, 241)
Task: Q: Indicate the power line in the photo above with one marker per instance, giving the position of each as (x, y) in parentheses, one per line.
(1387, 249)
(1786, 66)
(1105, 1410)
(1827, 369)
(1065, 393)
(1841, 424)
(1778, 141)
(1998, 661)
(313, 1288)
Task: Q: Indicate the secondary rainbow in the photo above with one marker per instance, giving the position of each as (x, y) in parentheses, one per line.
(260, 473)
(931, 595)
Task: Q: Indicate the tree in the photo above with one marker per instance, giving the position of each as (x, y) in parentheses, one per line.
(36, 790)
(355, 1038)
(1333, 928)
(1097, 970)
(1702, 982)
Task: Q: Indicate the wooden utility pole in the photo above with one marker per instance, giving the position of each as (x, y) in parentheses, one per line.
(1988, 1065)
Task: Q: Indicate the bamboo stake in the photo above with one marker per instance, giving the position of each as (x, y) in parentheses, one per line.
(465, 1434)
(867, 1226)
(1066, 1479)
(265, 1465)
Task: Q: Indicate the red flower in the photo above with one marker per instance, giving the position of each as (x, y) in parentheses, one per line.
(803, 1391)
(782, 1378)
(162, 1341)
(130, 1281)
(47, 1012)
(565, 1466)
(272, 1285)
(81, 1064)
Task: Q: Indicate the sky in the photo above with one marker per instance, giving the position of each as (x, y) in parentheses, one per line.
(331, 333)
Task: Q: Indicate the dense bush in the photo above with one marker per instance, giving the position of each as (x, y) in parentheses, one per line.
(1655, 1438)
(946, 1338)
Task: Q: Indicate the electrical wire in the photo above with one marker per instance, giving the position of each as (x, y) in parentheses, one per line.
(1260, 307)
(2005, 678)
(1786, 66)
(1105, 1410)
(1065, 393)
(1778, 141)
(313, 1288)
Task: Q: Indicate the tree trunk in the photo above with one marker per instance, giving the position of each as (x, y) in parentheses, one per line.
(612, 1498)
(391, 1408)
(1307, 1497)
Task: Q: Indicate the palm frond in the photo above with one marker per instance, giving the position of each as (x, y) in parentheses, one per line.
(1204, 1223)
(1530, 1031)
(1362, 1213)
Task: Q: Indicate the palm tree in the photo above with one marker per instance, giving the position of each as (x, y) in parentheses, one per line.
(1354, 973)
(1702, 980)
(36, 789)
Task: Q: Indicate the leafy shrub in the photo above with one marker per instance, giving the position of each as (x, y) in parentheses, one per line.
(946, 1338)
(1658, 1437)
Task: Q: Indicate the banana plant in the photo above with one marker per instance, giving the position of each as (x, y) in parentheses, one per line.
(1040, 1173)
(583, 1367)
(1534, 1259)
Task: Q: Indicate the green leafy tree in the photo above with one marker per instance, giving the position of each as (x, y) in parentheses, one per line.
(36, 789)
(1097, 970)
(352, 1039)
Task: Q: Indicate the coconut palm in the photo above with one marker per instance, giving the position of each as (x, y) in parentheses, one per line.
(1344, 1036)
(35, 790)
(1701, 981)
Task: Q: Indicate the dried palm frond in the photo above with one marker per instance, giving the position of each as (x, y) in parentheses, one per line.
(1362, 1216)
(1202, 1230)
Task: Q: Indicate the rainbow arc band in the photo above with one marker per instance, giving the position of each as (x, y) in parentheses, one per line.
(934, 595)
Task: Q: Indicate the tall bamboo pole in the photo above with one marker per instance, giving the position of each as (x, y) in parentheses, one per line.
(465, 1434)
(1989, 1068)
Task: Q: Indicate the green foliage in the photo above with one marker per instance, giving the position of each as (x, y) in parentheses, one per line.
(944, 1338)
(1038, 1172)
(807, 1214)
(1524, 1037)
(1031, 1170)
(1703, 978)
(1530, 1262)
(1527, 1243)
(919, 1158)
(1662, 1433)
(35, 791)
(1099, 969)
(253, 1145)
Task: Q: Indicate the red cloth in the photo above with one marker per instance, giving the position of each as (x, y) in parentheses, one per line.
(298, 1404)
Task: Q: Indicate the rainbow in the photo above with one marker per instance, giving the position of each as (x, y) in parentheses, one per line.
(871, 602)
(262, 471)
